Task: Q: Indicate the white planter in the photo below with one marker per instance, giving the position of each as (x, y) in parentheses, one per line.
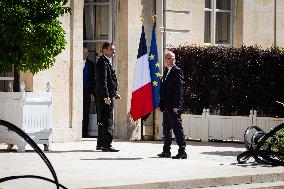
(216, 127)
(31, 112)
(228, 127)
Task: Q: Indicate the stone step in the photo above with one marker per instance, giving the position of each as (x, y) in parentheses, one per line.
(259, 181)
(267, 185)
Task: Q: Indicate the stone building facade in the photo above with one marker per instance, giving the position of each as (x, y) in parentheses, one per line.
(179, 22)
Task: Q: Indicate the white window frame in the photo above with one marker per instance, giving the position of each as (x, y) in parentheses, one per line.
(111, 38)
(111, 26)
(110, 32)
(7, 78)
(214, 11)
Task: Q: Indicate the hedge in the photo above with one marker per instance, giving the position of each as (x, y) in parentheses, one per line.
(232, 81)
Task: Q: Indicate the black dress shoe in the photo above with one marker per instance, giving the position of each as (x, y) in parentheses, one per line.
(164, 155)
(182, 155)
(98, 148)
(109, 149)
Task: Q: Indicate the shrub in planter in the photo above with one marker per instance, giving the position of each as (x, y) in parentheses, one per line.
(278, 141)
(232, 81)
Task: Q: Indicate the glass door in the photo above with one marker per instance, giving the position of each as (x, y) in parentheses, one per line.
(98, 27)
(6, 81)
(9, 81)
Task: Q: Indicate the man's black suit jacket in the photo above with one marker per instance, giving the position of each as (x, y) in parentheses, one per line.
(91, 77)
(106, 81)
(171, 90)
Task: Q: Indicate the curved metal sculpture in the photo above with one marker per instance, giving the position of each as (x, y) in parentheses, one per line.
(38, 150)
(263, 147)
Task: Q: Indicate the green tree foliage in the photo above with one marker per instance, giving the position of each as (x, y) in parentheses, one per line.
(31, 35)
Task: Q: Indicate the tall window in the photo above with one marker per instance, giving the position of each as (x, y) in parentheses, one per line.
(97, 25)
(218, 22)
(9, 81)
(6, 81)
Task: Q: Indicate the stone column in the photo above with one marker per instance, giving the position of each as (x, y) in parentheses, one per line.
(196, 19)
(27, 78)
(279, 23)
(184, 22)
(76, 73)
(258, 19)
(238, 24)
(66, 79)
(128, 30)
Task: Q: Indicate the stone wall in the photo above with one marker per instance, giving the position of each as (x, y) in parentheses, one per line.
(259, 22)
(128, 33)
(280, 23)
(66, 79)
(122, 68)
(238, 23)
(183, 22)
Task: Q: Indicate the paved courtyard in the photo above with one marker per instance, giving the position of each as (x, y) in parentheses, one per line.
(79, 165)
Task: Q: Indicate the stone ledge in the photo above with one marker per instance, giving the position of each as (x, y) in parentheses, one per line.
(207, 182)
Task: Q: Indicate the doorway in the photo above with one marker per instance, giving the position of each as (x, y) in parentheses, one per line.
(98, 28)
(98, 25)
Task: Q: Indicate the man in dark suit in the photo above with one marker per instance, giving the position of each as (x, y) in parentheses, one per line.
(89, 89)
(106, 91)
(171, 104)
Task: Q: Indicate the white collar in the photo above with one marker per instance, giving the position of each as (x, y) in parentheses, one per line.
(171, 68)
(109, 59)
(84, 62)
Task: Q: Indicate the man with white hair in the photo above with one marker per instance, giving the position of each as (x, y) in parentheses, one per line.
(171, 104)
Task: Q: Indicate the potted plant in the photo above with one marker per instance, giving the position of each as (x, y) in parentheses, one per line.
(31, 35)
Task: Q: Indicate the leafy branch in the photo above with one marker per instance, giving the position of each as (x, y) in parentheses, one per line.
(31, 35)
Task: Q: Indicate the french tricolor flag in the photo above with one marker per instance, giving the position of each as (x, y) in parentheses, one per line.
(142, 96)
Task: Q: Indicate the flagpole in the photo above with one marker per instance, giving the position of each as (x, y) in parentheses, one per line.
(141, 129)
(154, 123)
(142, 138)
(142, 101)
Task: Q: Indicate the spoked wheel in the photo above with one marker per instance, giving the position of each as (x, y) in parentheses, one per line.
(251, 136)
(265, 148)
(243, 157)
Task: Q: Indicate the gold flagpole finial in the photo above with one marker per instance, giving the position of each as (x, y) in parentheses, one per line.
(154, 18)
(142, 18)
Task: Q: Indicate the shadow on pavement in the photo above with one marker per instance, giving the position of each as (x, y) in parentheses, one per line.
(114, 159)
(47, 152)
(223, 153)
(251, 165)
(233, 144)
(7, 151)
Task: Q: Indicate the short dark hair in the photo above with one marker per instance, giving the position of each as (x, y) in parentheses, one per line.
(106, 45)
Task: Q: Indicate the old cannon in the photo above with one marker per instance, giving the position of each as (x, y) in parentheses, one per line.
(265, 148)
(31, 142)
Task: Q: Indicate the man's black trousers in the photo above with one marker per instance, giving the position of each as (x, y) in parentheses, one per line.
(105, 120)
(86, 107)
(172, 120)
